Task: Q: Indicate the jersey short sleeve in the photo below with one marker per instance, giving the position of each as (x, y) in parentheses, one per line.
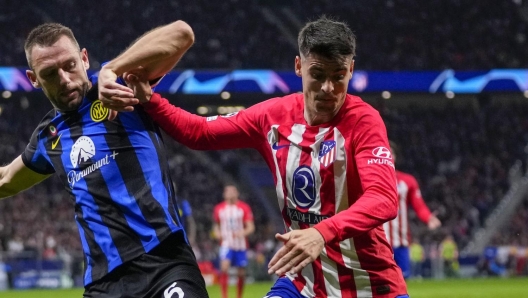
(248, 214)
(35, 156)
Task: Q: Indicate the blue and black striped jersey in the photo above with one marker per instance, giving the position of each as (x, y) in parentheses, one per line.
(118, 174)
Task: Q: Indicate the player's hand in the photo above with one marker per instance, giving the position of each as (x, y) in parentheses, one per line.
(301, 247)
(114, 95)
(434, 223)
(139, 85)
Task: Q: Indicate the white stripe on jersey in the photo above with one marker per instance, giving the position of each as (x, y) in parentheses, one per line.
(397, 229)
(361, 277)
(232, 221)
(308, 275)
(294, 155)
(316, 165)
(272, 138)
(332, 285)
(341, 189)
(402, 215)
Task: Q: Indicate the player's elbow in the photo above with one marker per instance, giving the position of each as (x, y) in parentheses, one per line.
(183, 32)
(392, 206)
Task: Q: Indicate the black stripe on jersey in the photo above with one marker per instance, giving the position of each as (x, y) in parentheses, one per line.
(132, 172)
(56, 159)
(29, 153)
(156, 138)
(100, 268)
(127, 242)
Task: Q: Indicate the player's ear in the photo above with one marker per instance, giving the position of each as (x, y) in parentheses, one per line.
(32, 77)
(84, 58)
(298, 66)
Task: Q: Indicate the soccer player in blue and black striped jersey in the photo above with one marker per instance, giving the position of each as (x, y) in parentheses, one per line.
(115, 170)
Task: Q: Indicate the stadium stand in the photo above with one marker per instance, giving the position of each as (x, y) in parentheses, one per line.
(411, 36)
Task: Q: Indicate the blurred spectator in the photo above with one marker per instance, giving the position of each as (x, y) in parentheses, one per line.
(417, 258)
(435, 34)
(449, 255)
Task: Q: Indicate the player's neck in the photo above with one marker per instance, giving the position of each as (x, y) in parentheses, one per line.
(313, 118)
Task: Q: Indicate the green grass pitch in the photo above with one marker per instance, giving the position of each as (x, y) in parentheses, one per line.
(461, 288)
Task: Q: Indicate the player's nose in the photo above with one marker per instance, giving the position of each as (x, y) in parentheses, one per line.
(64, 77)
(327, 86)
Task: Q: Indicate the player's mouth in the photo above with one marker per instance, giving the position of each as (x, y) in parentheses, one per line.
(326, 99)
(70, 94)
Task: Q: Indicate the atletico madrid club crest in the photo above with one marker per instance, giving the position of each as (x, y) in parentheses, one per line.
(53, 130)
(327, 153)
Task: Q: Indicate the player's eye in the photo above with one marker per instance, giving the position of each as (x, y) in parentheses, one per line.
(339, 77)
(71, 65)
(47, 74)
(317, 76)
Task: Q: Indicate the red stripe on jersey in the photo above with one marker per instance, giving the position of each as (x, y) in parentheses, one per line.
(306, 155)
(327, 190)
(319, 285)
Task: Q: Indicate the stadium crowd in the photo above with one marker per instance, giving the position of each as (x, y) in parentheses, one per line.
(412, 35)
(461, 156)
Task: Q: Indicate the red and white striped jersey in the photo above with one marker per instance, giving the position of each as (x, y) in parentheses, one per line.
(337, 177)
(231, 219)
(397, 230)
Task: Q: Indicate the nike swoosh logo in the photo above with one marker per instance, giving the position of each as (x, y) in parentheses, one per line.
(56, 142)
(275, 146)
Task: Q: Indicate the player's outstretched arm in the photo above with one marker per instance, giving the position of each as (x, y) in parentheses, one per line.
(16, 177)
(156, 53)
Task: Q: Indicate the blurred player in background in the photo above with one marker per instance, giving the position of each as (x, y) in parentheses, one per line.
(187, 218)
(329, 155)
(233, 223)
(398, 230)
(116, 171)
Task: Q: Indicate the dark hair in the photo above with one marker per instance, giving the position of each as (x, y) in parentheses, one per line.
(328, 38)
(46, 35)
(394, 147)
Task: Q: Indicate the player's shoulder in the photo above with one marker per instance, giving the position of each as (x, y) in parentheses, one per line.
(358, 105)
(282, 104)
(408, 178)
(46, 124)
(243, 204)
(354, 108)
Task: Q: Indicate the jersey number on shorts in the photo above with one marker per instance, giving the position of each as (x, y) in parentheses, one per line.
(173, 289)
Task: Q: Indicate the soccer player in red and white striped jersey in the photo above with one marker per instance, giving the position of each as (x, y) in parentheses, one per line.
(398, 230)
(329, 154)
(233, 222)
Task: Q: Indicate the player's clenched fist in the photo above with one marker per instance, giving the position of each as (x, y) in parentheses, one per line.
(114, 95)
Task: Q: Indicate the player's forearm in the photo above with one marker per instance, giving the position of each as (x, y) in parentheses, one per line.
(188, 129)
(421, 209)
(249, 229)
(375, 207)
(157, 51)
(195, 131)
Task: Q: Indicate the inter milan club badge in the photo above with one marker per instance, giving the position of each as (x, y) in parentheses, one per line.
(98, 112)
(53, 130)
